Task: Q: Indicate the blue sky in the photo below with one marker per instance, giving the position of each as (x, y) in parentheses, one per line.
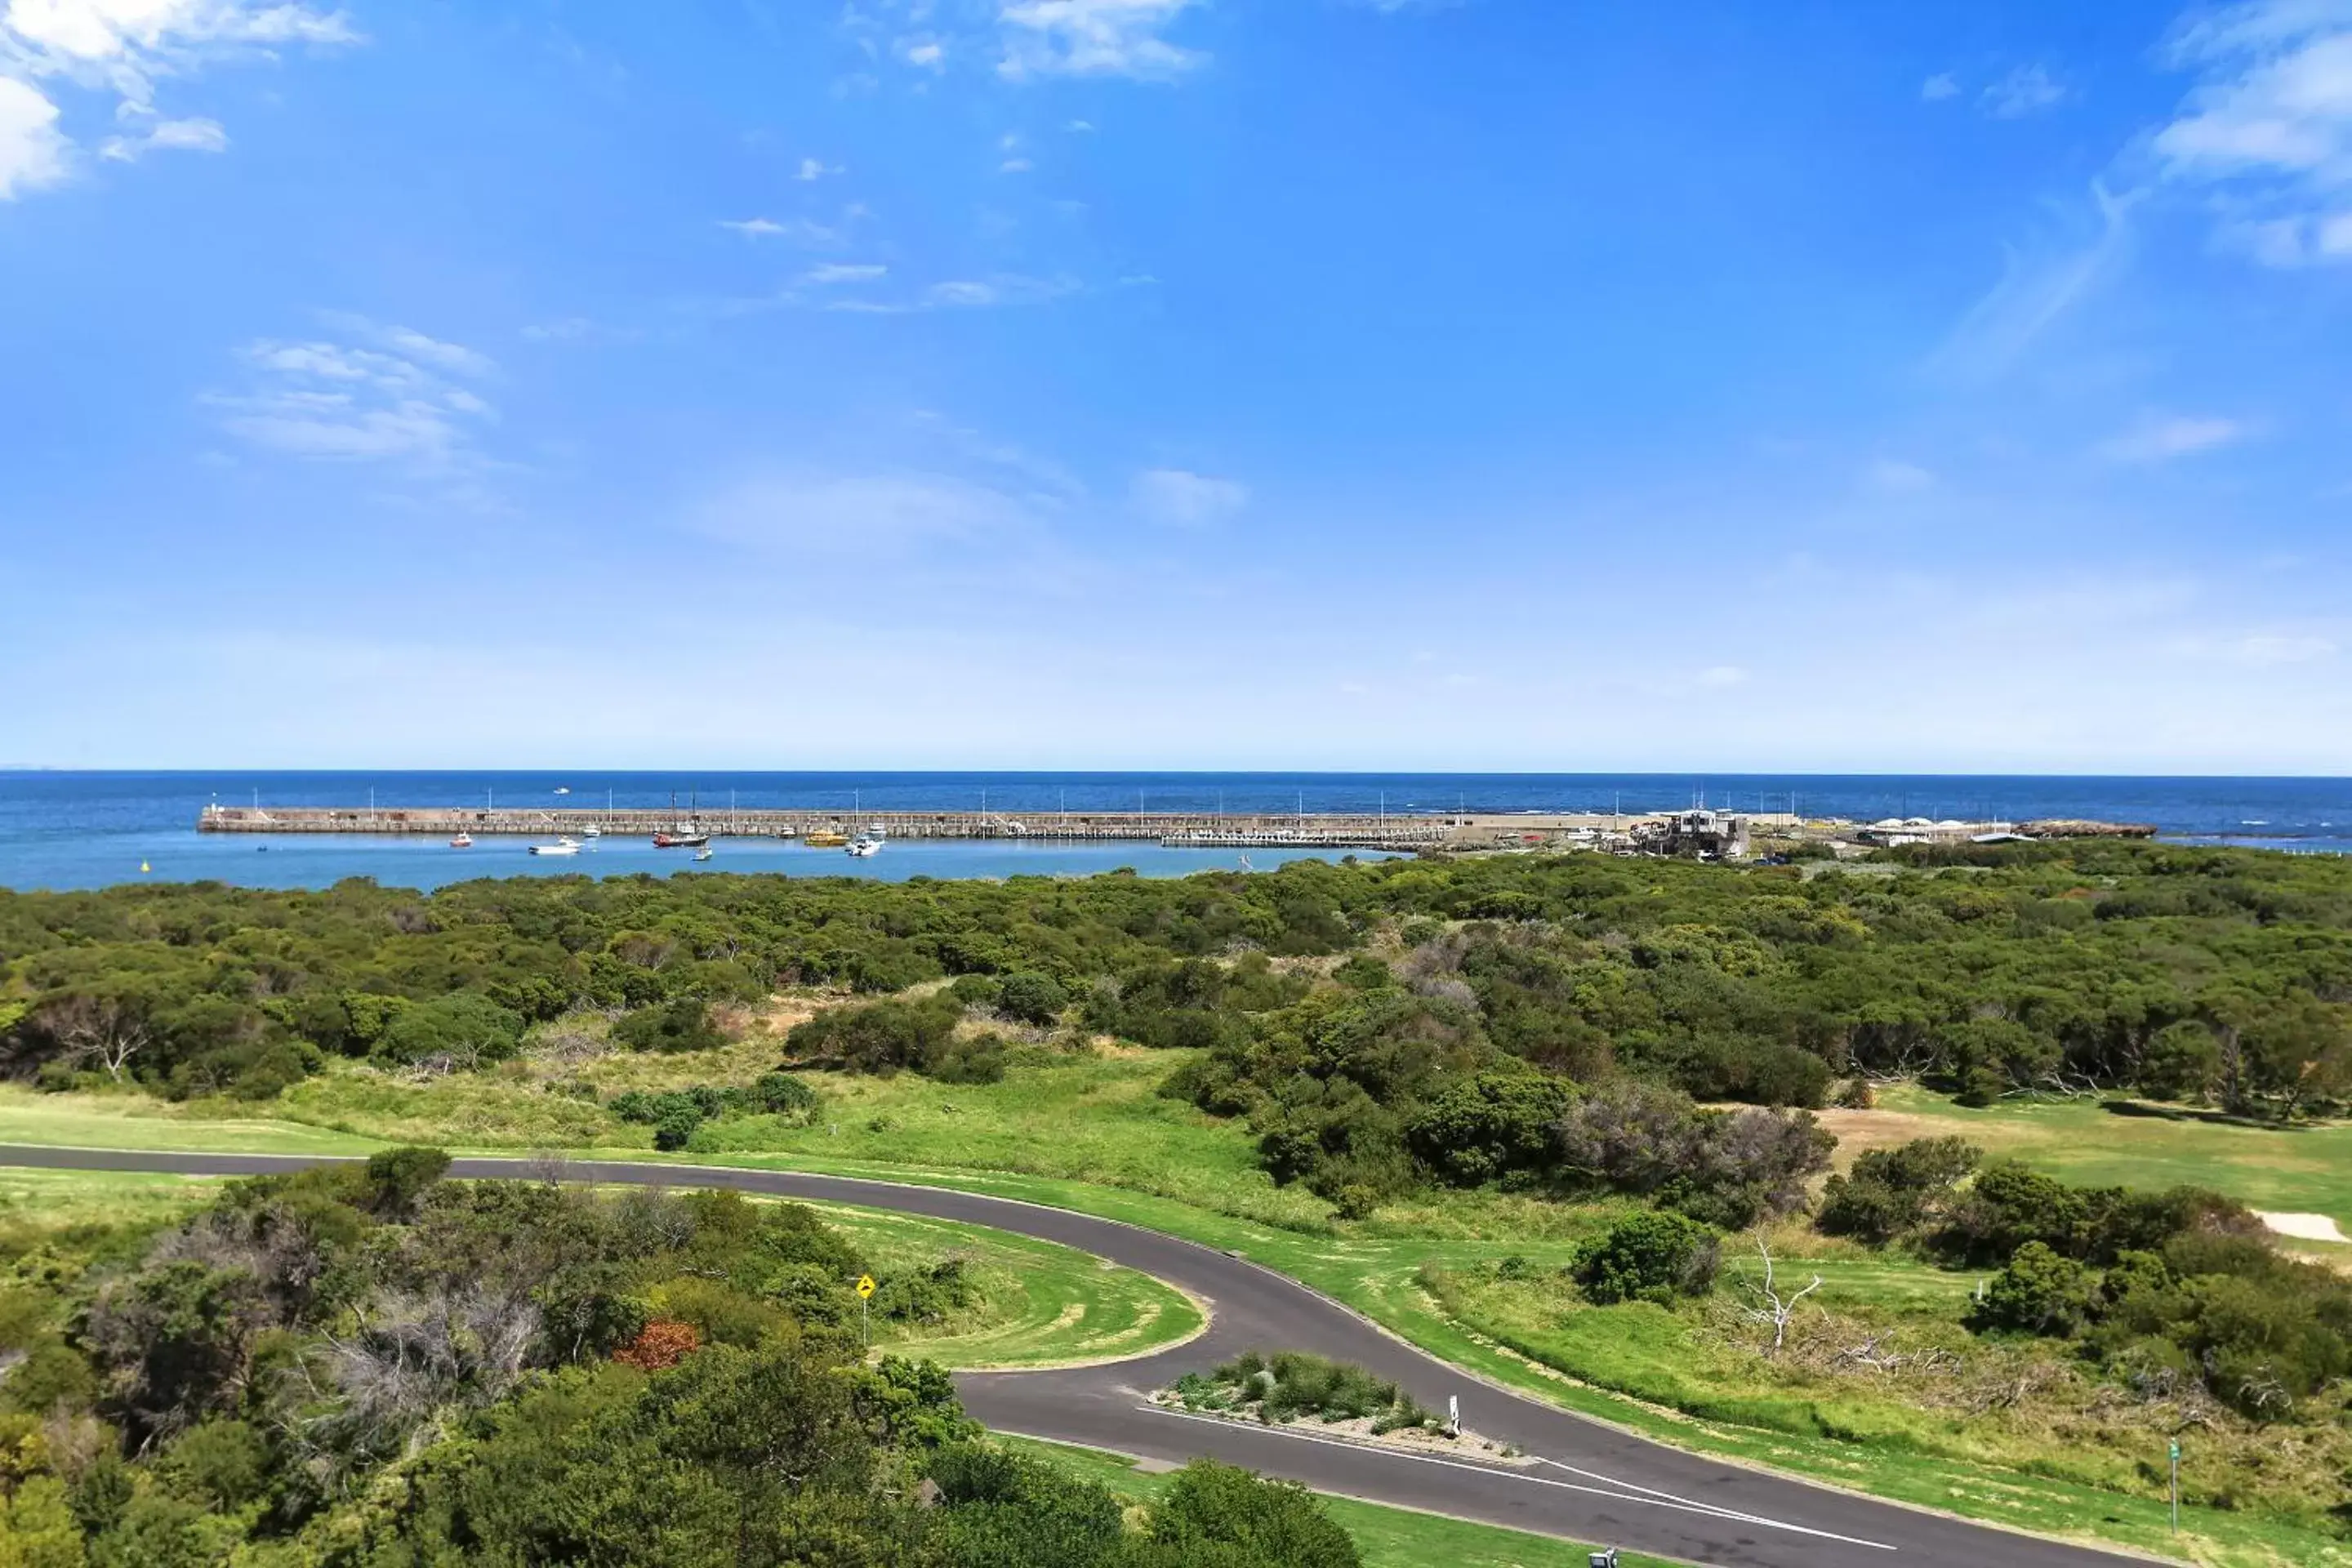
(1145, 382)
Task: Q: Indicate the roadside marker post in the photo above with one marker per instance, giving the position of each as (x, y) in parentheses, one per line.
(865, 1311)
(2174, 1455)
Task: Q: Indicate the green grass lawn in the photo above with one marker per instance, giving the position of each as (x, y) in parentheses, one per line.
(2300, 1169)
(1037, 1304)
(1387, 1537)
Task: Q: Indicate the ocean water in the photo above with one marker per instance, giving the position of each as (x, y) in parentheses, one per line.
(64, 829)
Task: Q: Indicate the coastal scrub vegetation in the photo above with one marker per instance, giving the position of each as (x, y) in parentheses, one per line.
(2210, 975)
(372, 1367)
(1633, 1058)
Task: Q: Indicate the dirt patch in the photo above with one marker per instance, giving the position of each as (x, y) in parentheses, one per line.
(1859, 1131)
(2304, 1227)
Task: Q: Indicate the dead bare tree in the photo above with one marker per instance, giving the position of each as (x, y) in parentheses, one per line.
(1770, 1306)
(103, 1030)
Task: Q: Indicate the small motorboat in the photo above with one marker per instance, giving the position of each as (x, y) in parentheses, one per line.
(463, 841)
(864, 848)
(823, 838)
(563, 789)
(561, 846)
(591, 831)
(703, 854)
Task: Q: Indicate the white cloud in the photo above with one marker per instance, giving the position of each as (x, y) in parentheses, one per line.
(1185, 499)
(32, 153)
(2027, 90)
(455, 357)
(1896, 477)
(799, 231)
(2160, 440)
(340, 401)
(930, 54)
(842, 272)
(1937, 88)
(1722, 675)
(813, 169)
(1094, 37)
(1016, 166)
(2269, 125)
(1079, 127)
(123, 48)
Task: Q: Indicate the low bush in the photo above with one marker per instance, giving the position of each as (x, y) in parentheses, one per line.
(683, 1023)
(880, 1037)
(1651, 1255)
(1289, 1384)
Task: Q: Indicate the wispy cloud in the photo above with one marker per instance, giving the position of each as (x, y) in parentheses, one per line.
(1094, 37)
(2039, 285)
(166, 136)
(2269, 125)
(344, 400)
(1187, 500)
(890, 513)
(827, 274)
(1940, 86)
(1891, 476)
(814, 169)
(123, 48)
(2161, 439)
(805, 233)
(2027, 90)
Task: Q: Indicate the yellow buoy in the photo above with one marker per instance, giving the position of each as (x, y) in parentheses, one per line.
(142, 865)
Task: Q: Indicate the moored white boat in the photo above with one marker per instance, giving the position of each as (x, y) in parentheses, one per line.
(561, 846)
(864, 848)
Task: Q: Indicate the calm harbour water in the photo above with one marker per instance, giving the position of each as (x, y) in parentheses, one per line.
(92, 830)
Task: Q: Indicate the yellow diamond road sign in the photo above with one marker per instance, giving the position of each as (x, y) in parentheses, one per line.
(865, 1284)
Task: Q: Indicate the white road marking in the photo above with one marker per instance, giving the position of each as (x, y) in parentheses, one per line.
(1615, 1491)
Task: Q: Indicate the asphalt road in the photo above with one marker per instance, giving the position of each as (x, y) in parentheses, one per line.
(1589, 1482)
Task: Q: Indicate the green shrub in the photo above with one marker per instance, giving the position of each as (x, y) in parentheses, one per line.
(1032, 998)
(879, 1037)
(2036, 1292)
(1492, 1126)
(462, 1029)
(782, 1094)
(1651, 1256)
(1216, 1513)
(683, 1023)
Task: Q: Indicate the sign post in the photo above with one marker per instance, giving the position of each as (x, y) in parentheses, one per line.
(865, 1311)
(2174, 1455)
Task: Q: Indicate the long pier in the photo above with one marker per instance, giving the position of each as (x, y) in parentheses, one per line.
(1367, 830)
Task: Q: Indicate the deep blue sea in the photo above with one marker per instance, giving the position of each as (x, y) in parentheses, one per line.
(92, 830)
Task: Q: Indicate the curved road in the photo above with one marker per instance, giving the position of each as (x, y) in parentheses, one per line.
(1587, 1482)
